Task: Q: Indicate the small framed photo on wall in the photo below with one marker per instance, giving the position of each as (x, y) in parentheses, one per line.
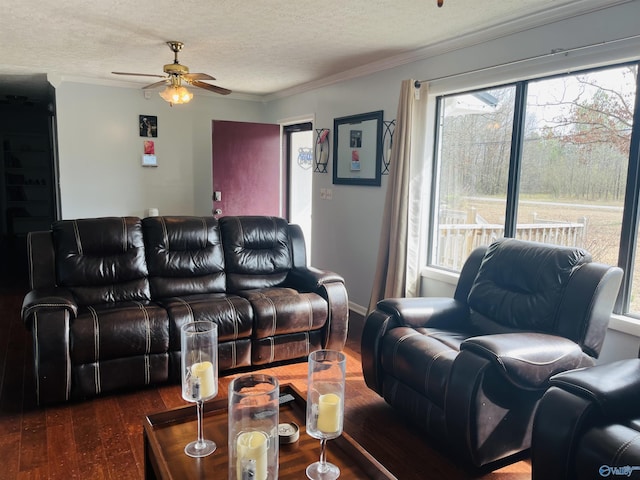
(149, 156)
(148, 126)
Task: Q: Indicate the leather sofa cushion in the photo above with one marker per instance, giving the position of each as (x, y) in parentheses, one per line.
(119, 330)
(101, 259)
(119, 373)
(256, 252)
(184, 255)
(280, 311)
(520, 284)
(231, 355)
(231, 313)
(285, 347)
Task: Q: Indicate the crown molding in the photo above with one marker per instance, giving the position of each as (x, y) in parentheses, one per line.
(504, 28)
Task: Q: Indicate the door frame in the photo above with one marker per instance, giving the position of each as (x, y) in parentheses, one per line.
(286, 190)
(287, 130)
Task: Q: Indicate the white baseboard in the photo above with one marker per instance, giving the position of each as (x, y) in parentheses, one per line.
(359, 309)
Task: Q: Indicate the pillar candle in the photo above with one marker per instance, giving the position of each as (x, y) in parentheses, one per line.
(203, 371)
(253, 446)
(329, 413)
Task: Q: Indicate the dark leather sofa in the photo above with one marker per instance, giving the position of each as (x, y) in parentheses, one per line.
(109, 296)
(470, 370)
(587, 425)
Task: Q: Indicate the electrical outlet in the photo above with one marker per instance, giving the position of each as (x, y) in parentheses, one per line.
(323, 193)
(329, 194)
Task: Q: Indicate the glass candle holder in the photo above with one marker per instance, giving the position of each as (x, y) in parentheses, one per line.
(253, 427)
(199, 364)
(325, 407)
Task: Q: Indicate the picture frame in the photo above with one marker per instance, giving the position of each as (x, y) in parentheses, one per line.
(149, 158)
(148, 125)
(357, 150)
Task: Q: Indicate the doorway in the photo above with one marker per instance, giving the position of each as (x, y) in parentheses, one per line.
(29, 185)
(298, 151)
(246, 167)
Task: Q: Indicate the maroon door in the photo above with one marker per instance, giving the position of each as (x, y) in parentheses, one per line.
(246, 168)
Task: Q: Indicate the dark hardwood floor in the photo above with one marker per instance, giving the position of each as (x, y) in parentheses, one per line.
(102, 438)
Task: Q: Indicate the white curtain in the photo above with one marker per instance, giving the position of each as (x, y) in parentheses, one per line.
(398, 265)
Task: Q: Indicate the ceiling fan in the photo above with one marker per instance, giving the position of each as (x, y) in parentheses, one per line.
(176, 73)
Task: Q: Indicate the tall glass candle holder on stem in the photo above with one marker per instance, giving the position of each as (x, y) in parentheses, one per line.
(253, 427)
(325, 407)
(199, 344)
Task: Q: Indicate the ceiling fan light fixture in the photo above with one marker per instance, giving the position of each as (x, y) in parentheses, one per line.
(175, 74)
(176, 94)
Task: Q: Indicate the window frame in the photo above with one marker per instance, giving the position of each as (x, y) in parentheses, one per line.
(631, 204)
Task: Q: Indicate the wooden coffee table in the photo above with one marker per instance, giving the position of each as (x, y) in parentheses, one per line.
(166, 434)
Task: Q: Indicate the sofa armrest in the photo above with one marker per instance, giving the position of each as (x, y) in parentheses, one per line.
(528, 360)
(396, 312)
(50, 299)
(559, 421)
(310, 278)
(577, 401)
(436, 312)
(613, 387)
(51, 353)
(329, 286)
(376, 325)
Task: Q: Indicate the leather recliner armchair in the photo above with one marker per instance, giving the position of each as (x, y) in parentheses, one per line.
(588, 424)
(470, 370)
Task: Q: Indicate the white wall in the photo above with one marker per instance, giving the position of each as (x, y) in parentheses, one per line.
(346, 228)
(99, 150)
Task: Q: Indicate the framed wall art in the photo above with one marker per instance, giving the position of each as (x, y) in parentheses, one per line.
(357, 149)
(148, 125)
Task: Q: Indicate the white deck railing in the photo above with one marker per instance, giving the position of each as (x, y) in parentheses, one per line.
(457, 240)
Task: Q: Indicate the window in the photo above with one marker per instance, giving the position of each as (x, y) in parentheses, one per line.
(547, 160)
(474, 149)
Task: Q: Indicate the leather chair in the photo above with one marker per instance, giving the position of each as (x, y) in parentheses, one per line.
(588, 424)
(470, 370)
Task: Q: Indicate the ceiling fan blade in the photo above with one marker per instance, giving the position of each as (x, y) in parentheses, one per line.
(198, 76)
(211, 88)
(156, 84)
(139, 74)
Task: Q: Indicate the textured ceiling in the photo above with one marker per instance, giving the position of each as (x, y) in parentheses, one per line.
(255, 47)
